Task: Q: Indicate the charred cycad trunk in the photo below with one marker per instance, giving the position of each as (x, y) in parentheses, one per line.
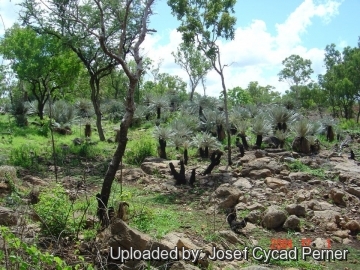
(284, 127)
(158, 112)
(330, 136)
(186, 156)
(201, 152)
(258, 141)
(279, 126)
(244, 142)
(215, 160)
(240, 146)
(88, 130)
(162, 148)
(206, 152)
(220, 133)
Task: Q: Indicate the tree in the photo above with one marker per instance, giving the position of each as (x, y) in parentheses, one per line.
(203, 23)
(54, 20)
(40, 60)
(297, 71)
(262, 94)
(193, 62)
(238, 96)
(129, 21)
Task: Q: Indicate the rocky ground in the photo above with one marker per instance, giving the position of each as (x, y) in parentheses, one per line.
(318, 207)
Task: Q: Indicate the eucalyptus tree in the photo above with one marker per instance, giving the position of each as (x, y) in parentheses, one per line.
(120, 28)
(204, 23)
(193, 62)
(41, 61)
(72, 23)
(296, 72)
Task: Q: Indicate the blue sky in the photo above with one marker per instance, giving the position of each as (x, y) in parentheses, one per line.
(266, 33)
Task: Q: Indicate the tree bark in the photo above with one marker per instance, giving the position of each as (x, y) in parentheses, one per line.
(120, 149)
(95, 89)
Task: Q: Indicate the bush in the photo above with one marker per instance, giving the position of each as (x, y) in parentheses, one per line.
(54, 210)
(139, 151)
(23, 156)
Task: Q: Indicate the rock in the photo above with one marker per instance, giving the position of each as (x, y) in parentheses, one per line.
(341, 234)
(331, 226)
(258, 174)
(303, 195)
(329, 215)
(296, 209)
(36, 181)
(337, 196)
(320, 243)
(260, 153)
(314, 205)
(273, 182)
(292, 223)
(7, 173)
(254, 216)
(8, 217)
(231, 237)
(354, 191)
(131, 174)
(353, 226)
(255, 206)
(242, 183)
(302, 176)
(157, 165)
(181, 265)
(273, 217)
(227, 196)
(256, 267)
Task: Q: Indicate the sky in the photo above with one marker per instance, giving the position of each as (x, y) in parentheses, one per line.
(267, 31)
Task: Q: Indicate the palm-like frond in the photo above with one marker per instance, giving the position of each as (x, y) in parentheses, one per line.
(302, 128)
(84, 108)
(204, 139)
(211, 119)
(279, 114)
(32, 107)
(241, 126)
(163, 133)
(62, 112)
(261, 125)
(238, 113)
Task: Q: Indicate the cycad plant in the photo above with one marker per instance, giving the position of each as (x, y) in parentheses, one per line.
(205, 142)
(260, 127)
(63, 114)
(162, 134)
(330, 126)
(242, 126)
(114, 109)
(159, 103)
(84, 108)
(303, 129)
(140, 114)
(281, 136)
(214, 122)
(237, 113)
(281, 117)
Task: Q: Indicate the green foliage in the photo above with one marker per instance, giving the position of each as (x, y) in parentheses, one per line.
(54, 210)
(349, 124)
(139, 151)
(23, 156)
(298, 166)
(20, 255)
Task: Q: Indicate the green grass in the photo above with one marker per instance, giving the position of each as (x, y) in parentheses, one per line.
(298, 166)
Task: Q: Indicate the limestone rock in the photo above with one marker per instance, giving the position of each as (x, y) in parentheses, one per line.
(274, 217)
(8, 217)
(273, 182)
(292, 222)
(296, 209)
(337, 195)
(227, 196)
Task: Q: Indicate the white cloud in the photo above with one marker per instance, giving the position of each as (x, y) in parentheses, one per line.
(8, 11)
(255, 54)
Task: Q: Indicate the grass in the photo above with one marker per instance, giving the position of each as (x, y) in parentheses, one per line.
(298, 166)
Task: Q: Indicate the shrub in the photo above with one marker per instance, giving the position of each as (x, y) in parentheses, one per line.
(54, 210)
(23, 156)
(139, 151)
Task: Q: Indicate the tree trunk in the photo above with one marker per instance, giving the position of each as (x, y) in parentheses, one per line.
(41, 106)
(95, 88)
(185, 156)
(120, 149)
(158, 110)
(88, 130)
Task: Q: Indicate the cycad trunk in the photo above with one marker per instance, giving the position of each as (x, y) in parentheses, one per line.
(330, 136)
(258, 141)
(244, 142)
(186, 156)
(162, 148)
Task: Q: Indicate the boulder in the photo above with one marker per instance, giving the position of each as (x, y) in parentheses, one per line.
(292, 223)
(227, 196)
(296, 209)
(242, 183)
(258, 174)
(302, 176)
(8, 217)
(274, 217)
(273, 182)
(337, 195)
